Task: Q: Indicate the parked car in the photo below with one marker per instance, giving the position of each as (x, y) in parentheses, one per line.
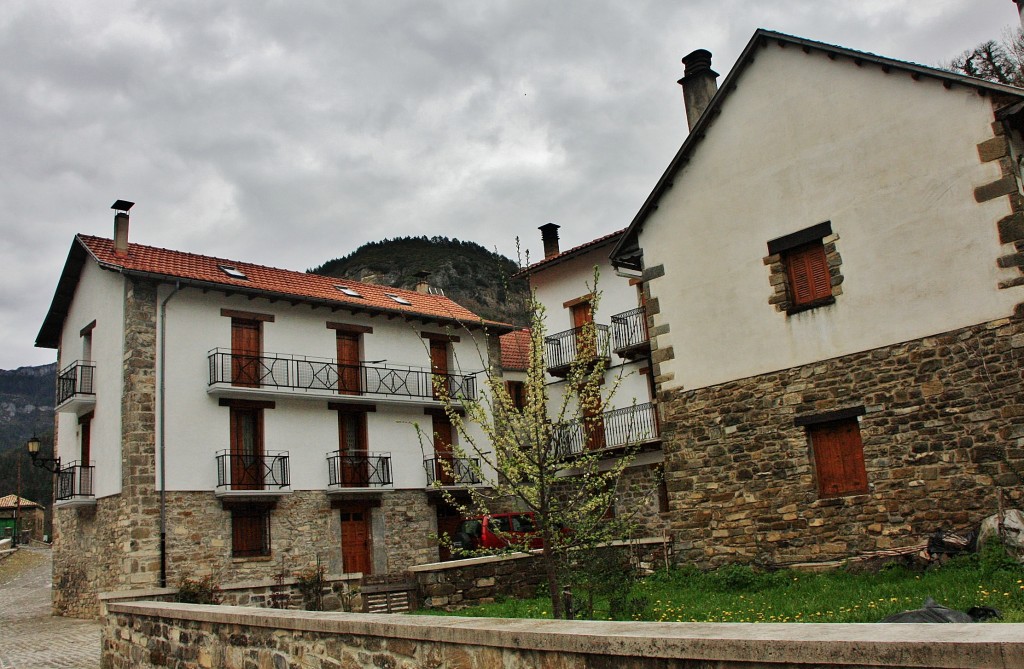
(497, 531)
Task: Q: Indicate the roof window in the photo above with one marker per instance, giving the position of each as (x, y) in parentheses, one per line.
(400, 300)
(351, 292)
(232, 271)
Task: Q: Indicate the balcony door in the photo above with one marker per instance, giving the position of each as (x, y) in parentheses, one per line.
(354, 466)
(439, 362)
(355, 540)
(85, 432)
(246, 348)
(247, 460)
(348, 363)
(443, 460)
(582, 314)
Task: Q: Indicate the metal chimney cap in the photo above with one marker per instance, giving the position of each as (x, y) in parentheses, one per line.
(122, 205)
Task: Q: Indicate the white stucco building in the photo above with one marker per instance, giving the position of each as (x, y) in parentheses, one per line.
(833, 260)
(576, 287)
(219, 416)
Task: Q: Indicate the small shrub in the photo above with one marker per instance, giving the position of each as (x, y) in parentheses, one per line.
(198, 591)
(310, 583)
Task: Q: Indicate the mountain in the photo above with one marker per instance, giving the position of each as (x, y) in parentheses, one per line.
(468, 273)
(26, 409)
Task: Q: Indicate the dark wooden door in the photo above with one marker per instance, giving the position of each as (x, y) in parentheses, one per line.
(839, 458)
(246, 449)
(85, 427)
(348, 363)
(448, 521)
(439, 363)
(582, 314)
(443, 450)
(246, 346)
(354, 468)
(355, 540)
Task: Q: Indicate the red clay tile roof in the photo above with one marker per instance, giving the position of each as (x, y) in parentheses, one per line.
(515, 350)
(575, 251)
(11, 502)
(206, 270)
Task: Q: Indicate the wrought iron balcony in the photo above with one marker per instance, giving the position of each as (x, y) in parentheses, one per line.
(268, 472)
(322, 376)
(585, 344)
(74, 484)
(359, 470)
(452, 471)
(629, 426)
(75, 386)
(629, 333)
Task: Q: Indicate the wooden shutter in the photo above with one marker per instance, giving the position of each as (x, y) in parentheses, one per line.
(85, 426)
(250, 532)
(839, 458)
(355, 467)
(439, 363)
(809, 278)
(442, 427)
(348, 363)
(246, 346)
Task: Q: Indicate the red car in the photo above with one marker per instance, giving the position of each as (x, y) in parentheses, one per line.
(497, 531)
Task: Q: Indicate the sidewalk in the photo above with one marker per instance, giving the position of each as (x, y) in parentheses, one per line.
(30, 638)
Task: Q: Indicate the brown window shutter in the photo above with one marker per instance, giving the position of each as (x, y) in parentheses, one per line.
(808, 273)
(838, 458)
(249, 533)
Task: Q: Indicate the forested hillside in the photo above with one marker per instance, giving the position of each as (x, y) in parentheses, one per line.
(468, 273)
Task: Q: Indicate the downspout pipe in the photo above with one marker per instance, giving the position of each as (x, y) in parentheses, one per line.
(161, 447)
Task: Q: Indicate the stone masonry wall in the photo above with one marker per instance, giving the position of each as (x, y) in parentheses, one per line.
(115, 545)
(409, 522)
(943, 436)
(149, 634)
(638, 496)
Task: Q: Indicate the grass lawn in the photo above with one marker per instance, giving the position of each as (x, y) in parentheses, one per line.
(739, 594)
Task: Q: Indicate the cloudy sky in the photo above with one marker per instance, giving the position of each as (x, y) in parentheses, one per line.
(288, 133)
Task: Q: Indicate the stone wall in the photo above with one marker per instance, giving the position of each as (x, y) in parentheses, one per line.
(150, 634)
(943, 436)
(481, 580)
(638, 498)
(409, 529)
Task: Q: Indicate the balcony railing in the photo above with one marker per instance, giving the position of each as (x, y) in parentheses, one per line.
(268, 471)
(74, 482)
(75, 380)
(322, 375)
(629, 331)
(628, 426)
(585, 343)
(359, 470)
(452, 471)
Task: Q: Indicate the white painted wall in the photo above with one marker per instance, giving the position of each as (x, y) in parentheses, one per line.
(572, 279)
(197, 426)
(891, 162)
(99, 296)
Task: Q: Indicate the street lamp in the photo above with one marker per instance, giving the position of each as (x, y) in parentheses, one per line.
(49, 464)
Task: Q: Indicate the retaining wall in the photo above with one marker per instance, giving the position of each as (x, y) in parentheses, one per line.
(183, 636)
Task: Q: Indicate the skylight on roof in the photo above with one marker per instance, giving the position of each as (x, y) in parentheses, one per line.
(400, 300)
(232, 271)
(348, 291)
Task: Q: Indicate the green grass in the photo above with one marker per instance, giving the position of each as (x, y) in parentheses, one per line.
(740, 594)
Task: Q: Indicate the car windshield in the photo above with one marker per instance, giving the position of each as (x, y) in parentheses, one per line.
(470, 527)
(523, 524)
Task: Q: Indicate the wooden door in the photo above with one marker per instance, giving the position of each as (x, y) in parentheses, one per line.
(448, 521)
(348, 363)
(443, 450)
(582, 314)
(592, 417)
(246, 449)
(439, 363)
(85, 427)
(354, 467)
(246, 346)
(355, 540)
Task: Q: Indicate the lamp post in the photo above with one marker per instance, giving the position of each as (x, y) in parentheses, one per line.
(49, 464)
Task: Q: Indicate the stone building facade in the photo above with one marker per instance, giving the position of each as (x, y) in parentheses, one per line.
(836, 323)
(182, 457)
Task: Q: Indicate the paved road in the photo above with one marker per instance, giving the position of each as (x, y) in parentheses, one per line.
(30, 638)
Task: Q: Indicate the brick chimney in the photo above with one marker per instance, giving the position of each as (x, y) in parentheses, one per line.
(121, 226)
(699, 84)
(549, 235)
